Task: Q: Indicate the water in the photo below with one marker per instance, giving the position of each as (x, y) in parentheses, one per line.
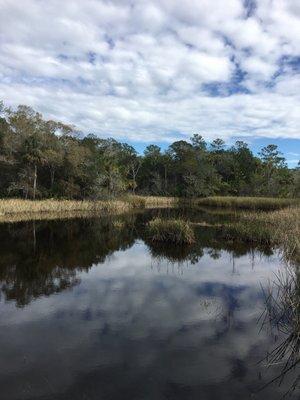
(90, 309)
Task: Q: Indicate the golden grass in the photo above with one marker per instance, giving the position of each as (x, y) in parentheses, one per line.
(280, 228)
(19, 206)
(19, 210)
(250, 203)
(246, 203)
(159, 201)
(135, 201)
(175, 231)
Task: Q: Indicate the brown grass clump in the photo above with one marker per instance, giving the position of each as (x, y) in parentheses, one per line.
(175, 231)
(159, 201)
(280, 228)
(138, 202)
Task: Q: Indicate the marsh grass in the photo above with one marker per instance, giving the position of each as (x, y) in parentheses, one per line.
(12, 210)
(282, 313)
(247, 203)
(175, 231)
(135, 201)
(278, 228)
(228, 202)
(18, 209)
(160, 201)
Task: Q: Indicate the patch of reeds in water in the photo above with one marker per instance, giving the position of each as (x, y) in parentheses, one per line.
(282, 313)
(278, 228)
(175, 231)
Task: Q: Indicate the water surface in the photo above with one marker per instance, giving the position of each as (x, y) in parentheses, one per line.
(91, 309)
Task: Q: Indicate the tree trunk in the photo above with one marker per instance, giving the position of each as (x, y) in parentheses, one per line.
(34, 181)
(165, 168)
(52, 173)
(110, 184)
(134, 180)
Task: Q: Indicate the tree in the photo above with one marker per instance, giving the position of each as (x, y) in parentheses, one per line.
(131, 159)
(26, 144)
(198, 142)
(296, 191)
(276, 176)
(245, 165)
(217, 145)
(153, 171)
(45, 158)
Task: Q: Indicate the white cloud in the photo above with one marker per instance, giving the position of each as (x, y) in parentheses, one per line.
(146, 70)
(258, 67)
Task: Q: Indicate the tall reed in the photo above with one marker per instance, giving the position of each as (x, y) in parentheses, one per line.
(247, 203)
(19, 210)
(282, 313)
(175, 231)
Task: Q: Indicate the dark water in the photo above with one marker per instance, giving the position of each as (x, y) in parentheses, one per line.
(90, 309)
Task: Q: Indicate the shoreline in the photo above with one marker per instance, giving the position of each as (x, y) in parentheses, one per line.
(18, 210)
(258, 220)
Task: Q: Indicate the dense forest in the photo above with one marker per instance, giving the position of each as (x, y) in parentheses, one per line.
(47, 159)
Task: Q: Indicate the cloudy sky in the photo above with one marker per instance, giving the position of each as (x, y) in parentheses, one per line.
(158, 70)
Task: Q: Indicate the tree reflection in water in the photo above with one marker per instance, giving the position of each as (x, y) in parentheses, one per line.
(44, 257)
(135, 312)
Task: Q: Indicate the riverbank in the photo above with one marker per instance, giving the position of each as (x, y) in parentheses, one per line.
(278, 228)
(12, 210)
(248, 203)
(17, 210)
(242, 203)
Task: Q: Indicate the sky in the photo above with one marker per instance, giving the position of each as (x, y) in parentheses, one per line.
(156, 71)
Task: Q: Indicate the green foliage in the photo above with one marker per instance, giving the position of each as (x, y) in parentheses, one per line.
(47, 159)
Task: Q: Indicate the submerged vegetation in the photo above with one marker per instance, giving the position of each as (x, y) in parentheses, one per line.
(175, 231)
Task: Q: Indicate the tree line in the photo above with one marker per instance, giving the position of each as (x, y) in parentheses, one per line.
(42, 158)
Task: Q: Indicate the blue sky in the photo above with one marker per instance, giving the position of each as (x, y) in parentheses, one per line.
(158, 70)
